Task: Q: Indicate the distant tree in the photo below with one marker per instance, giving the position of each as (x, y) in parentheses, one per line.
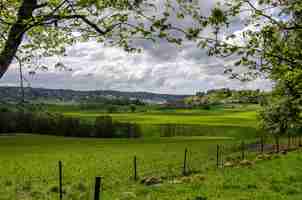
(138, 102)
(200, 94)
(112, 109)
(278, 117)
(104, 127)
(133, 108)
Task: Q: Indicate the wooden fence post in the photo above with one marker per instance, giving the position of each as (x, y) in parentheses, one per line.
(60, 180)
(262, 145)
(185, 163)
(217, 156)
(135, 168)
(97, 187)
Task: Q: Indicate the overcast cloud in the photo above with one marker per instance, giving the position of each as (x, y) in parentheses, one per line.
(160, 68)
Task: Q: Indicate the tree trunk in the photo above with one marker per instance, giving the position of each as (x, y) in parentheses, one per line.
(16, 33)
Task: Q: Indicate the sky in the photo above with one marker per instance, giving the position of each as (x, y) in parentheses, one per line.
(159, 68)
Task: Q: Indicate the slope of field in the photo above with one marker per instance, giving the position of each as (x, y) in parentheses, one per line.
(28, 164)
(239, 121)
(28, 170)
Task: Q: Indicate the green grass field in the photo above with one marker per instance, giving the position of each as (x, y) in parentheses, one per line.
(29, 163)
(28, 170)
(240, 122)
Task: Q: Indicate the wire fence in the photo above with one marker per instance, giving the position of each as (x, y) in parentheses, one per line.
(60, 184)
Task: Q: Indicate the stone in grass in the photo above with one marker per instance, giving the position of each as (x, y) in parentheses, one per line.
(246, 163)
(260, 157)
(128, 196)
(263, 157)
(284, 152)
(267, 156)
(151, 180)
(228, 164)
(199, 177)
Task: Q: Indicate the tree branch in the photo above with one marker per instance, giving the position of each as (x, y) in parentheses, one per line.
(15, 34)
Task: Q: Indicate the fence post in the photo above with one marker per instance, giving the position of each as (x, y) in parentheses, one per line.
(262, 145)
(243, 149)
(97, 187)
(60, 180)
(185, 163)
(135, 168)
(300, 141)
(217, 156)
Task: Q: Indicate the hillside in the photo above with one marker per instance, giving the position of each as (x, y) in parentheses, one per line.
(12, 94)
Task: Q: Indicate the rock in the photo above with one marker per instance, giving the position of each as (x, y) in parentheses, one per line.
(151, 180)
(284, 152)
(260, 157)
(267, 156)
(246, 163)
(228, 164)
(199, 177)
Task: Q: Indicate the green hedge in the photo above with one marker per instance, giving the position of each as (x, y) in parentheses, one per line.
(58, 124)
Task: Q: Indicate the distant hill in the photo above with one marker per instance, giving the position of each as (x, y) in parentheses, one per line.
(12, 94)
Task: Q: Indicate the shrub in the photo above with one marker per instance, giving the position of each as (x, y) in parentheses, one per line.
(104, 127)
(127, 130)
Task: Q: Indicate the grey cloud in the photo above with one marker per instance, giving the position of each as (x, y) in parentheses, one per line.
(162, 68)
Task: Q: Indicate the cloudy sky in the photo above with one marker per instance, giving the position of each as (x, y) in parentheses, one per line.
(160, 68)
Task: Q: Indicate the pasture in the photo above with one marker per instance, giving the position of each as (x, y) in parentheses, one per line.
(239, 122)
(29, 163)
(28, 170)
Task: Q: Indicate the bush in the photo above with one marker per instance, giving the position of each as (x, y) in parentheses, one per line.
(127, 130)
(104, 127)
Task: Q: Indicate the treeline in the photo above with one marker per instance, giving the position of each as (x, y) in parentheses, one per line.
(121, 101)
(60, 125)
(226, 95)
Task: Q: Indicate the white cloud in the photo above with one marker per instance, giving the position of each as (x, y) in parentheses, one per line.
(161, 68)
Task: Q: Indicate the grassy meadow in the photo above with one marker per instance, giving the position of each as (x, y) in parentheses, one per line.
(29, 163)
(238, 121)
